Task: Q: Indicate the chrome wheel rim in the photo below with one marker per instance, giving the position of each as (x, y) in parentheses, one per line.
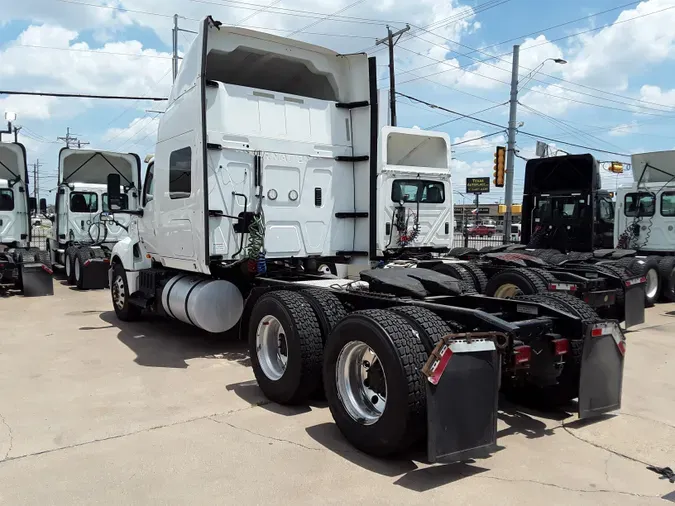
(652, 283)
(118, 292)
(324, 269)
(271, 347)
(68, 265)
(361, 382)
(77, 269)
(507, 291)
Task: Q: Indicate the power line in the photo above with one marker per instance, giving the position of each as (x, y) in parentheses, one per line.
(529, 134)
(327, 16)
(122, 9)
(465, 69)
(541, 44)
(433, 127)
(478, 138)
(96, 51)
(79, 95)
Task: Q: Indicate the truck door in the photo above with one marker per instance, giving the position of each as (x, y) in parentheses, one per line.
(406, 200)
(146, 223)
(604, 224)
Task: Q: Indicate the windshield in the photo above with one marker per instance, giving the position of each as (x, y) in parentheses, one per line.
(563, 207)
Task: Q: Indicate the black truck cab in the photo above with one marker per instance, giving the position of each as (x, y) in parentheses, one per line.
(564, 207)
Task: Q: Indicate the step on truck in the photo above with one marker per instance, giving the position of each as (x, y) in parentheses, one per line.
(83, 236)
(22, 266)
(269, 162)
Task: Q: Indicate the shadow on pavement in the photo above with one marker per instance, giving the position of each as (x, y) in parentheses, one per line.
(159, 342)
(526, 420)
(250, 392)
(411, 476)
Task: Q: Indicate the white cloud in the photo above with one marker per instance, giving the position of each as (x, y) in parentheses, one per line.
(655, 95)
(624, 129)
(78, 69)
(140, 133)
(486, 144)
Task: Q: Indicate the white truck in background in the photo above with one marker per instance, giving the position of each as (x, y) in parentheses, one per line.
(81, 241)
(267, 165)
(21, 265)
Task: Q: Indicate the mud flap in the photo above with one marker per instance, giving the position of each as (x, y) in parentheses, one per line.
(95, 274)
(635, 302)
(462, 384)
(601, 380)
(36, 279)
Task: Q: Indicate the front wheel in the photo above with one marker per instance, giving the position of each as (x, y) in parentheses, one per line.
(119, 291)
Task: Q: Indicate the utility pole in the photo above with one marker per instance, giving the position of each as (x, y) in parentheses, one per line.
(16, 134)
(36, 180)
(174, 33)
(71, 139)
(511, 145)
(389, 40)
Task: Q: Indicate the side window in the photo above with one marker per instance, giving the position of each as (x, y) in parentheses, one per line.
(668, 204)
(404, 190)
(606, 210)
(149, 185)
(83, 202)
(6, 200)
(639, 204)
(412, 190)
(180, 174)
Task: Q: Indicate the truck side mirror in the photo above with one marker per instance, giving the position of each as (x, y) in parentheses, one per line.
(32, 204)
(114, 196)
(43, 206)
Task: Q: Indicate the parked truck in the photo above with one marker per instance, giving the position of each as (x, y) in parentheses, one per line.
(22, 266)
(568, 212)
(81, 241)
(270, 161)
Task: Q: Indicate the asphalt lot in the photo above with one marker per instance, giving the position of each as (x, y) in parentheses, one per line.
(95, 411)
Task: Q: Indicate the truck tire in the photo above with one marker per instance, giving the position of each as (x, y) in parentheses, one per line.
(666, 271)
(649, 267)
(428, 324)
(461, 274)
(515, 281)
(82, 254)
(119, 292)
(285, 346)
(579, 256)
(327, 308)
(382, 411)
(479, 277)
(68, 263)
(545, 276)
(43, 258)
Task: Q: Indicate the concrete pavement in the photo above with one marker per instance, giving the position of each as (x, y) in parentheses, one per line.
(95, 411)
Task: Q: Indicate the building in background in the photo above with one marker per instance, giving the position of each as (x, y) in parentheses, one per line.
(487, 214)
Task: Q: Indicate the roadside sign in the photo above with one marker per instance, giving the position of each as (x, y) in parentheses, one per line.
(477, 185)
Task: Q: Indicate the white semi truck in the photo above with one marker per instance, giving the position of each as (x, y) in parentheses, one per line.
(81, 242)
(269, 162)
(21, 265)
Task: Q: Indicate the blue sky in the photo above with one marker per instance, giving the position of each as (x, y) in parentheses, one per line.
(617, 92)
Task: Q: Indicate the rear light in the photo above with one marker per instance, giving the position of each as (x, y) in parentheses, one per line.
(523, 354)
(565, 287)
(106, 260)
(613, 330)
(636, 281)
(86, 262)
(438, 366)
(561, 346)
(47, 269)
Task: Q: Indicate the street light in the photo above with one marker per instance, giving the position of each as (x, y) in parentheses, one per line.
(511, 146)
